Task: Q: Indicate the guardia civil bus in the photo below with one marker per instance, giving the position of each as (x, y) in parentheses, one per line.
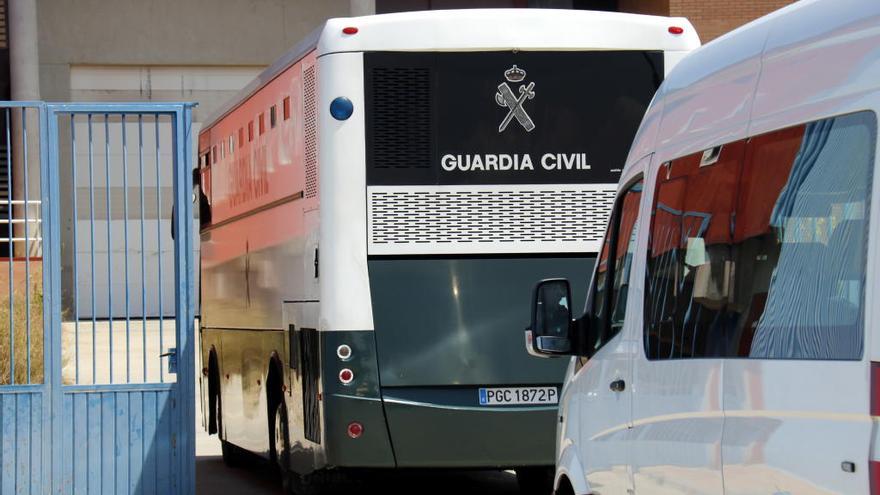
(374, 210)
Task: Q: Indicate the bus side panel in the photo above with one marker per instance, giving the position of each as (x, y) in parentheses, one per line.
(259, 249)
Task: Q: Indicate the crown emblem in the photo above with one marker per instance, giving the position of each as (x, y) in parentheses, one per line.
(514, 74)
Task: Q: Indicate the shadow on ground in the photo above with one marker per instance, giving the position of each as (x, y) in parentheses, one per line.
(214, 478)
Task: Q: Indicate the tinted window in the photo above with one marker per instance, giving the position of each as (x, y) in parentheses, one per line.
(620, 239)
(758, 248)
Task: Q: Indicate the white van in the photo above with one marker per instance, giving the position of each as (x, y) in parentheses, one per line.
(729, 343)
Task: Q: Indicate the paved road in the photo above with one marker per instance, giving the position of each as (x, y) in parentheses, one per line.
(214, 478)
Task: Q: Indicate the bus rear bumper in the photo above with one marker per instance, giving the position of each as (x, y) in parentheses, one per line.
(430, 435)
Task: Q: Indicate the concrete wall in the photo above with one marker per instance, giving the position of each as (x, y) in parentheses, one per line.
(188, 33)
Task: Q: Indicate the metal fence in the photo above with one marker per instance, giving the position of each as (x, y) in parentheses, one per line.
(96, 384)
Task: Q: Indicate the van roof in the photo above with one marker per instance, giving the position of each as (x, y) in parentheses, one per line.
(782, 69)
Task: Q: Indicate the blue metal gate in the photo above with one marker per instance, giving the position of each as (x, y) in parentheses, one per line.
(96, 328)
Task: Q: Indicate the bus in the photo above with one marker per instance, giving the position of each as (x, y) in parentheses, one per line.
(374, 210)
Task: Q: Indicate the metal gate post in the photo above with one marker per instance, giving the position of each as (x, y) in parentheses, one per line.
(52, 300)
(183, 266)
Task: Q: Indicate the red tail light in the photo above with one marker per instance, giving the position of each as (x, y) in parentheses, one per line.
(676, 30)
(355, 430)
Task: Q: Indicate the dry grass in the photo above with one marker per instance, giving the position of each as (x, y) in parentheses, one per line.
(20, 324)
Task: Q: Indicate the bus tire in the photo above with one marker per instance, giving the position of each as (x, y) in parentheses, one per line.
(232, 455)
(281, 447)
(535, 480)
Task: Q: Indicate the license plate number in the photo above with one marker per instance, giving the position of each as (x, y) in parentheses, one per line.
(509, 396)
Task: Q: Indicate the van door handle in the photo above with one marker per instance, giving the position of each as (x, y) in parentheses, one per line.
(618, 386)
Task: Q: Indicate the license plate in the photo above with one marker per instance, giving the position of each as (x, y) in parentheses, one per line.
(510, 396)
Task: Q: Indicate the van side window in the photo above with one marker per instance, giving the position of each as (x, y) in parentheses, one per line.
(608, 312)
(758, 248)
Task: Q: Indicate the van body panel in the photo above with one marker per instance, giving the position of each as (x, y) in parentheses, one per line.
(753, 419)
(788, 428)
(677, 425)
(708, 97)
(604, 433)
(844, 80)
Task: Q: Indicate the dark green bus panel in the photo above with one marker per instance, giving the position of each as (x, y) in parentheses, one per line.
(444, 327)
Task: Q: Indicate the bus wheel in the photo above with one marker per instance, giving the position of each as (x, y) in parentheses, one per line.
(282, 447)
(232, 455)
(535, 480)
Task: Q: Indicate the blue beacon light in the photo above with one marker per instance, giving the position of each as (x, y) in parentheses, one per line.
(341, 108)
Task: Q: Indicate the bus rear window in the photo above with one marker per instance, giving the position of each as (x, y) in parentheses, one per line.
(758, 248)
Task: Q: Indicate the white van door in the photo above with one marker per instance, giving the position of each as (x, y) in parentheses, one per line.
(677, 404)
(797, 398)
(601, 383)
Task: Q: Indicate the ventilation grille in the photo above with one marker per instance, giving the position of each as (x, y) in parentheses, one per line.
(400, 118)
(310, 118)
(4, 39)
(404, 218)
(311, 370)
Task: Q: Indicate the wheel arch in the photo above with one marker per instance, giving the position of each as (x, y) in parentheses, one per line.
(568, 467)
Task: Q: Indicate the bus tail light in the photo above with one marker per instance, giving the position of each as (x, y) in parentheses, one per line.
(676, 30)
(346, 376)
(355, 430)
(350, 30)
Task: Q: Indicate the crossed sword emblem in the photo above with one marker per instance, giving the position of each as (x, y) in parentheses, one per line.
(506, 98)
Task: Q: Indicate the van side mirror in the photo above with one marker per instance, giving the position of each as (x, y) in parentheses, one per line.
(550, 332)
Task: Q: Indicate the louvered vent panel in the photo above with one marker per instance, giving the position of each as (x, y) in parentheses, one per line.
(400, 117)
(310, 349)
(416, 216)
(310, 119)
(4, 37)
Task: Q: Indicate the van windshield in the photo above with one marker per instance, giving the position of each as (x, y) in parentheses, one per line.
(758, 247)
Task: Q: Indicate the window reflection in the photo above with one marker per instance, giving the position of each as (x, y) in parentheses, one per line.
(762, 253)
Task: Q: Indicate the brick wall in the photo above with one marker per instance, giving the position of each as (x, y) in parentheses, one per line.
(651, 7)
(712, 18)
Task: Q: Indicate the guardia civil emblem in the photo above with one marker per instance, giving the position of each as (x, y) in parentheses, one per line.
(506, 97)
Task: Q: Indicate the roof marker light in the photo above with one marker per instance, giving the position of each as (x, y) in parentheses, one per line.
(341, 108)
(350, 30)
(676, 29)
